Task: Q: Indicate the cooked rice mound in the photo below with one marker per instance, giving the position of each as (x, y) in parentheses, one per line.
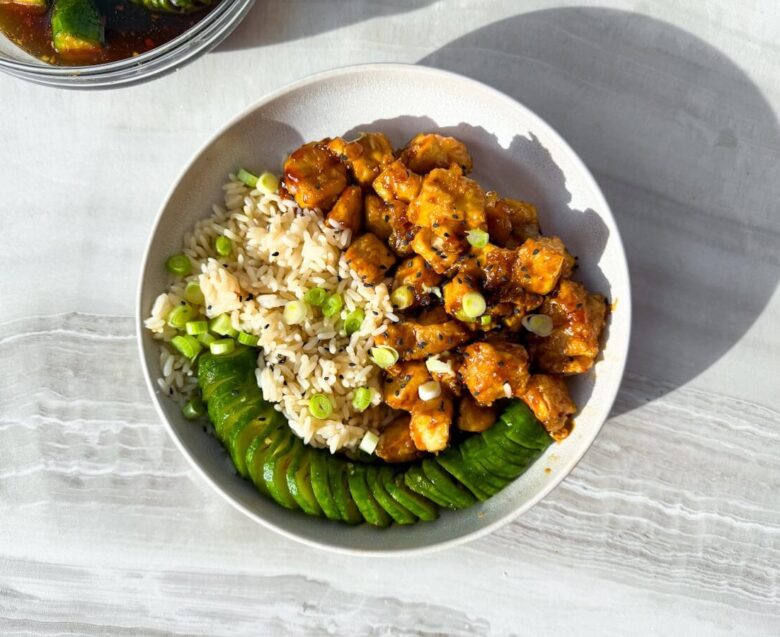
(279, 252)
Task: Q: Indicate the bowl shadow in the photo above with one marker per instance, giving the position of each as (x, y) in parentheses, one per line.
(683, 145)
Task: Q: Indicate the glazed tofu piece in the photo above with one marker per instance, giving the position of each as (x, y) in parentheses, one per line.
(395, 443)
(402, 382)
(347, 212)
(496, 265)
(433, 316)
(473, 417)
(427, 151)
(578, 320)
(416, 274)
(430, 423)
(541, 263)
(366, 156)
(510, 221)
(440, 252)
(494, 370)
(314, 176)
(549, 399)
(449, 379)
(396, 181)
(414, 341)
(370, 258)
(454, 291)
(448, 202)
(377, 216)
(403, 230)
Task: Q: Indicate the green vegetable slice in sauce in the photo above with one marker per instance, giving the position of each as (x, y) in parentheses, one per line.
(77, 28)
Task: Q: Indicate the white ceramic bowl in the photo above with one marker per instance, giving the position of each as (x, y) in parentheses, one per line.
(514, 151)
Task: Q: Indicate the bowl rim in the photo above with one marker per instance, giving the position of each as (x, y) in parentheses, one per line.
(625, 308)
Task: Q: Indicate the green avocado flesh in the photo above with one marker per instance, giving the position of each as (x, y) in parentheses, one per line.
(265, 451)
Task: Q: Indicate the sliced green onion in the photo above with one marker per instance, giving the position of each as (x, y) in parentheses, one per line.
(320, 406)
(223, 246)
(369, 442)
(193, 294)
(384, 356)
(195, 328)
(429, 390)
(332, 304)
(207, 339)
(268, 183)
(187, 345)
(180, 315)
(461, 316)
(247, 178)
(436, 366)
(361, 398)
(485, 320)
(539, 324)
(179, 264)
(402, 297)
(193, 409)
(315, 296)
(223, 326)
(353, 321)
(473, 304)
(294, 313)
(477, 238)
(248, 339)
(222, 346)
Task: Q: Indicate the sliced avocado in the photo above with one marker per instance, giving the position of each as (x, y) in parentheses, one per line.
(453, 463)
(275, 470)
(299, 481)
(415, 479)
(245, 431)
(77, 27)
(257, 451)
(321, 485)
(399, 513)
(419, 505)
(457, 496)
(368, 506)
(523, 428)
(339, 485)
(215, 370)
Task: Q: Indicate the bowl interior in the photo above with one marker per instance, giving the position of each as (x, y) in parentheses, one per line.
(514, 152)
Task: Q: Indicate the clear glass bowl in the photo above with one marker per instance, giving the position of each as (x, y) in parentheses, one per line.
(202, 37)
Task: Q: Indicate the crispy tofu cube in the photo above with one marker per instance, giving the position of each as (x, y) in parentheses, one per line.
(578, 320)
(540, 264)
(548, 397)
(396, 181)
(430, 423)
(365, 156)
(402, 382)
(451, 379)
(347, 212)
(510, 221)
(473, 417)
(442, 253)
(377, 216)
(395, 443)
(449, 203)
(314, 176)
(414, 341)
(418, 275)
(494, 370)
(370, 258)
(403, 230)
(454, 291)
(427, 151)
(496, 265)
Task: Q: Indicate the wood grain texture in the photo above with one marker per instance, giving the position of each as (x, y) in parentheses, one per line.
(671, 523)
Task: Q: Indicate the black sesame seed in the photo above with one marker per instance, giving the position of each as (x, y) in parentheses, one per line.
(536, 251)
(275, 254)
(170, 391)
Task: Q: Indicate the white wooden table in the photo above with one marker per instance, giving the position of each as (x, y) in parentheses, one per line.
(670, 525)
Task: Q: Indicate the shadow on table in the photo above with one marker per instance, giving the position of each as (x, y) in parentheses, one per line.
(286, 20)
(685, 148)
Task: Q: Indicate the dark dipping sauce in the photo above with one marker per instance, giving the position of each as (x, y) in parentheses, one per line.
(130, 31)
